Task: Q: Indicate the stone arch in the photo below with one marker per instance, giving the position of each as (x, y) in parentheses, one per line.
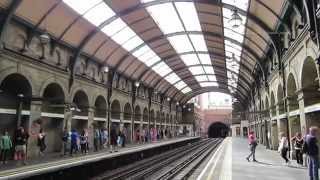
(54, 98)
(53, 80)
(4, 73)
(218, 130)
(127, 111)
(309, 83)
(100, 107)
(115, 109)
(291, 92)
(145, 114)
(137, 113)
(81, 100)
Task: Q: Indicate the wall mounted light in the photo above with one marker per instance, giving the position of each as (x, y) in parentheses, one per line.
(105, 69)
(137, 83)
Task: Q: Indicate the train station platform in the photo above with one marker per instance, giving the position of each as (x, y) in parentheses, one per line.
(53, 164)
(228, 163)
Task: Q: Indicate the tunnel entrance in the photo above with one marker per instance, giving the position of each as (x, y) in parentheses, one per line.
(218, 130)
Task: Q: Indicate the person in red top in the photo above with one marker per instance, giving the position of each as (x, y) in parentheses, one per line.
(252, 144)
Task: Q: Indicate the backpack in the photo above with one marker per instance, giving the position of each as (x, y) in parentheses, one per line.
(305, 147)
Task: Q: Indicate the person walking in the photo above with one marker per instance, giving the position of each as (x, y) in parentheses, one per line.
(138, 136)
(96, 139)
(41, 142)
(298, 143)
(252, 144)
(113, 140)
(21, 139)
(284, 147)
(5, 146)
(64, 138)
(312, 151)
(74, 141)
(123, 136)
(83, 142)
(106, 134)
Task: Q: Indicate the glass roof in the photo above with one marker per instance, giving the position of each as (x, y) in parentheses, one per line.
(97, 12)
(173, 17)
(232, 49)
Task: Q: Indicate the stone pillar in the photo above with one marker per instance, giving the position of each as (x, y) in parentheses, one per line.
(303, 121)
(90, 125)
(33, 128)
(67, 117)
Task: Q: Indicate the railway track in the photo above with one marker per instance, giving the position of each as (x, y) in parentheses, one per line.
(174, 164)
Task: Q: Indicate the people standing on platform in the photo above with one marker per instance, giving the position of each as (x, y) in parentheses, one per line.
(74, 142)
(21, 139)
(298, 142)
(5, 146)
(252, 145)
(65, 139)
(138, 136)
(143, 134)
(123, 136)
(84, 142)
(41, 142)
(96, 139)
(284, 147)
(312, 150)
(113, 139)
(105, 137)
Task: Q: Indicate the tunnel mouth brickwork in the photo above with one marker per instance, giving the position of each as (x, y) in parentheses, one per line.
(218, 130)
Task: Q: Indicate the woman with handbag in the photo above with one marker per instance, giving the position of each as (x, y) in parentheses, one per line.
(252, 146)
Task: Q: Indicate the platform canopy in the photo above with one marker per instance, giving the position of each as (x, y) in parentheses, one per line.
(180, 47)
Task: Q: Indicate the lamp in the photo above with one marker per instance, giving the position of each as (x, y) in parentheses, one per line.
(184, 106)
(137, 83)
(106, 69)
(44, 38)
(177, 103)
(168, 99)
(20, 95)
(236, 19)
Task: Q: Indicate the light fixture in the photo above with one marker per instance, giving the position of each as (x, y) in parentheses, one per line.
(236, 19)
(20, 95)
(168, 99)
(106, 69)
(137, 83)
(189, 109)
(184, 106)
(44, 38)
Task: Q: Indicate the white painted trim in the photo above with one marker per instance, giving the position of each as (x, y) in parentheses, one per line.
(294, 113)
(53, 115)
(99, 119)
(80, 117)
(312, 108)
(115, 120)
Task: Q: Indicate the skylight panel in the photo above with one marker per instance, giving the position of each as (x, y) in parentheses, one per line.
(99, 14)
(81, 6)
(180, 43)
(172, 78)
(162, 69)
(205, 58)
(201, 78)
(198, 42)
(141, 51)
(208, 84)
(233, 35)
(212, 78)
(124, 35)
(190, 59)
(132, 43)
(208, 69)
(189, 15)
(179, 85)
(196, 70)
(114, 27)
(153, 60)
(166, 17)
(186, 90)
(242, 4)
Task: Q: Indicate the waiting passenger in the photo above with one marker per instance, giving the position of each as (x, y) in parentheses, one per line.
(138, 136)
(65, 138)
(312, 150)
(123, 136)
(96, 139)
(253, 145)
(298, 142)
(5, 146)
(41, 142)
(84, 142)
(113, 140)
(284, 147)
(21, 139)
(74, 141)
(105, 137)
